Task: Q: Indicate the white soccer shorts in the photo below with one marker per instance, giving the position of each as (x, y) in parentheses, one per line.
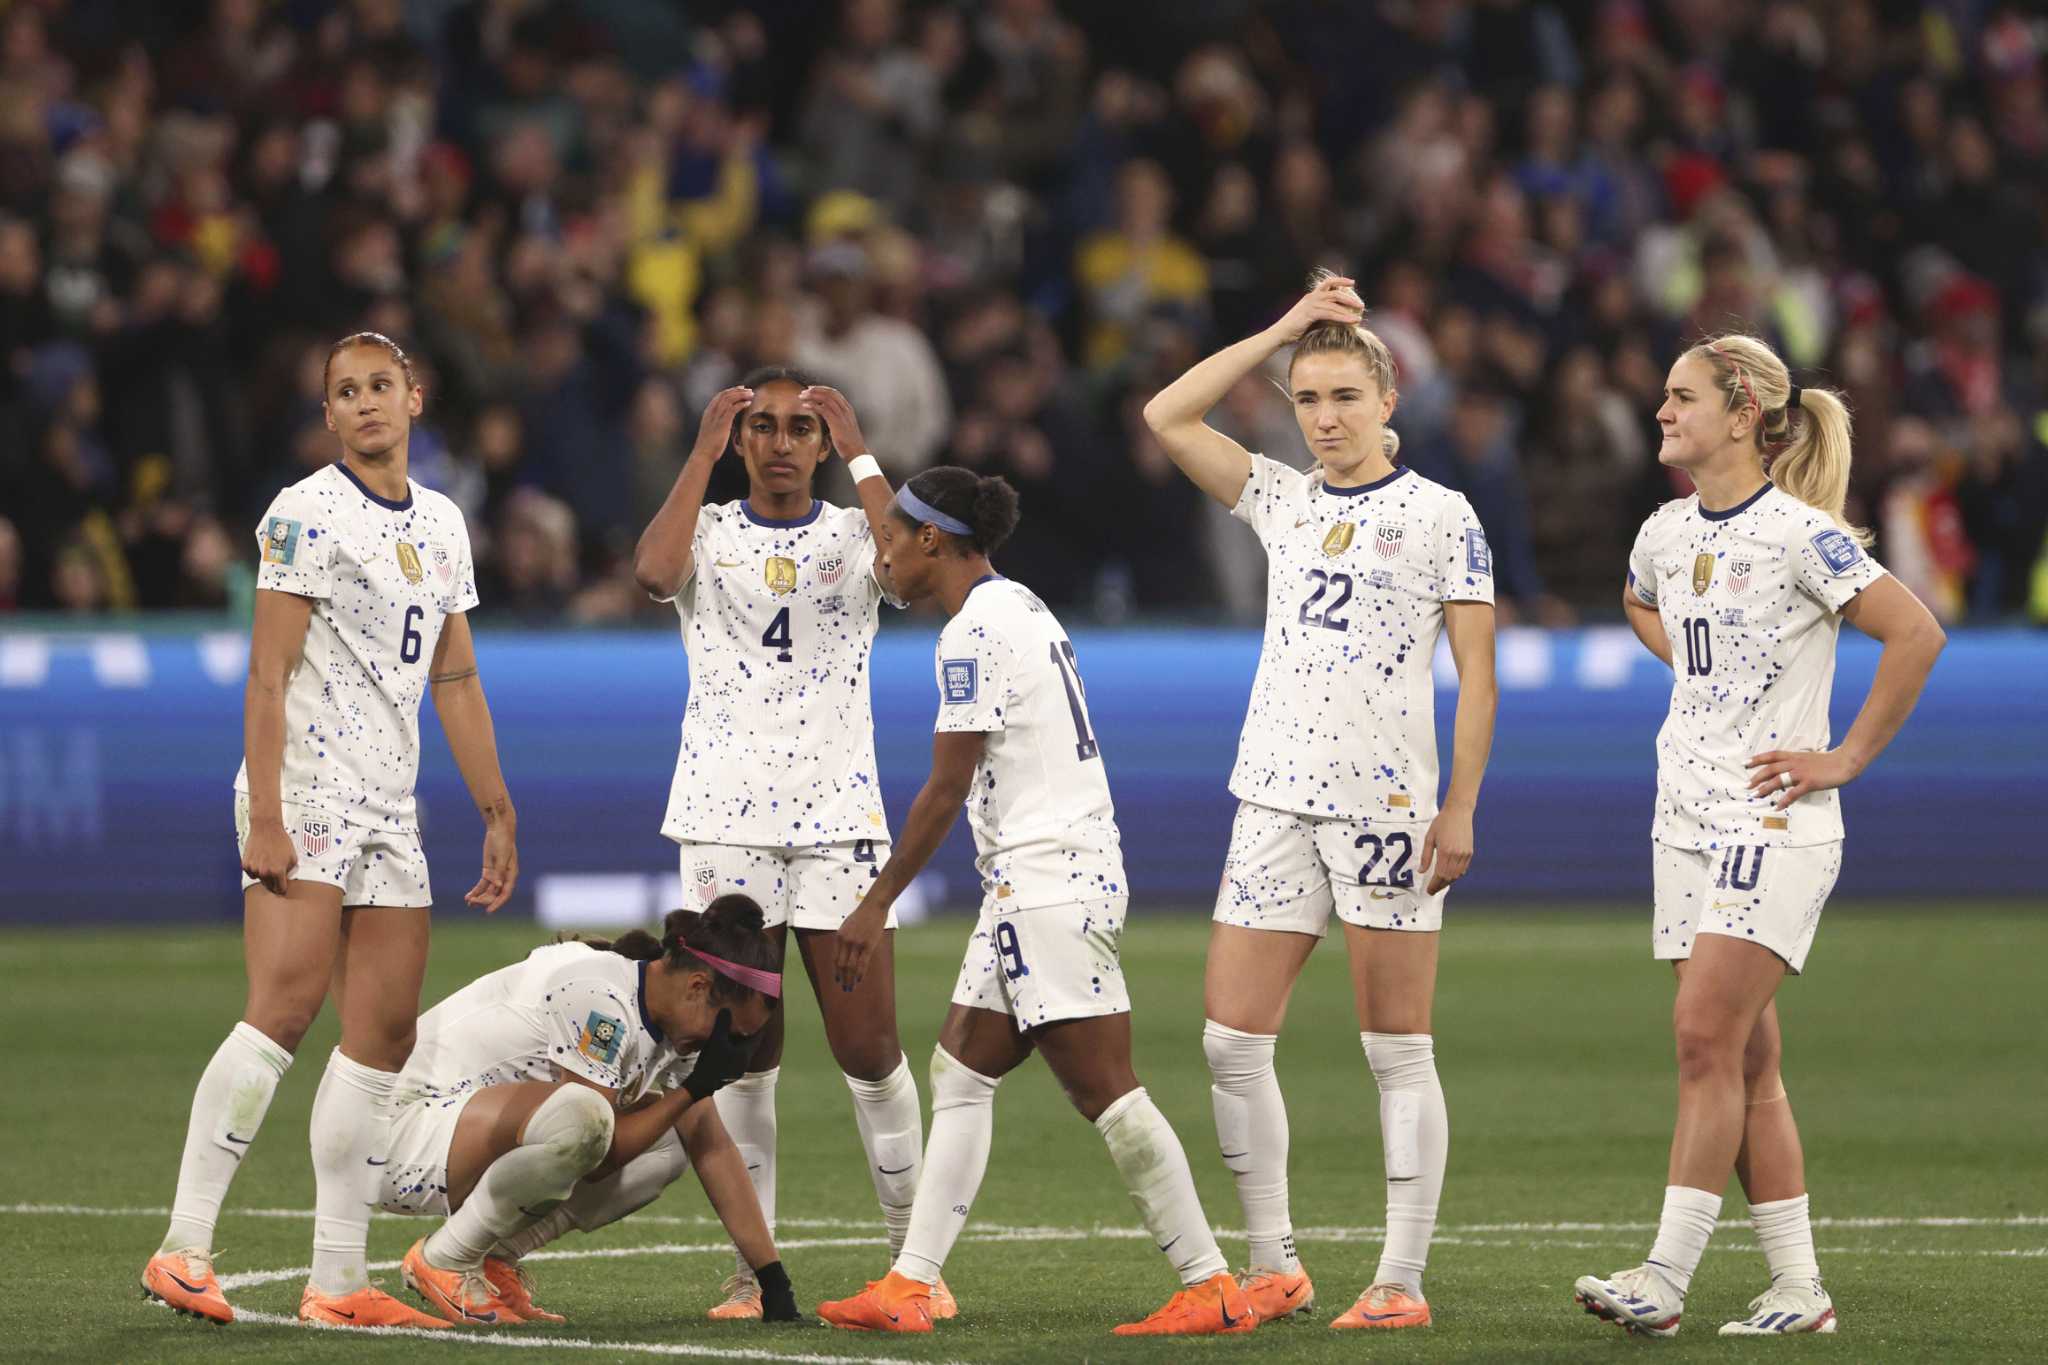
(1043, 965)
(416, 1166)
(1287, 872)
(1771, 896)
(813, 886)
(371, 866)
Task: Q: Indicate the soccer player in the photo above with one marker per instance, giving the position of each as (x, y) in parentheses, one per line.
(1742, 589)
(360, 610)
(1014, 744)
(564, 1091)
(775, 789)
(1368, 563)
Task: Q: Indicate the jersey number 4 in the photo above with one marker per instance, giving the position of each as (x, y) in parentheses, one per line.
(776, 637)
(1314, 613)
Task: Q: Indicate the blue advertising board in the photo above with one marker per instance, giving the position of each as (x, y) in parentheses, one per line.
(117, 752)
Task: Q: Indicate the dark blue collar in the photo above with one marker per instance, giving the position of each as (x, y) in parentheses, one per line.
(985, 578)
(1399, 470)
(1739, 507)
(646, 1019)
(364, 489)
(806, 519)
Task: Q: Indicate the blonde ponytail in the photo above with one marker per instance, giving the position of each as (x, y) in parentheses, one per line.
(1810, 433)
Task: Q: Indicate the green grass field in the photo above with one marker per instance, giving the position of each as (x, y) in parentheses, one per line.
(1914, 1059)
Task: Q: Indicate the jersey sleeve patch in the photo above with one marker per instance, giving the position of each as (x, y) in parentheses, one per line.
(959, 678)
(280, 541)
(1478, 554)
(1837, 551)
(600, 1038)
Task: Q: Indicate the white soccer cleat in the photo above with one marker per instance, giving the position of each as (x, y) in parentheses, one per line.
(1793, 1306)
(1636, 1300)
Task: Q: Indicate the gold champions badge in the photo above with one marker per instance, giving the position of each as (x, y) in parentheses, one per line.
(781, 575)
(409, 562)
(1339, 539)
(1702, 573)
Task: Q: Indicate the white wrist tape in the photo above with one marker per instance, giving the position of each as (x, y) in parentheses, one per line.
(864, 467)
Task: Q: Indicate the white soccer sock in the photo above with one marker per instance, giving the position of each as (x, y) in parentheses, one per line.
(599, 1203)
(227, 1108)
(1682, 1233)
(1155, 1170)
(351, 1131)
(1785, 1232)
(963, 1128)
(747, 1109)
(1251, 1129)
(892, 1131)
(564, 1140)
(1415, 1134)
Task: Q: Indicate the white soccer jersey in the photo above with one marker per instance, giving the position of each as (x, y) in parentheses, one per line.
(778, 620)
(1342, 720)
(566, 1008)
(383, 577)
(1751, 599)
(1044, 829)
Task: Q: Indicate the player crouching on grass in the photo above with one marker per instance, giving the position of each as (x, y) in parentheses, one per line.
(1015, 745)
(563, 1092)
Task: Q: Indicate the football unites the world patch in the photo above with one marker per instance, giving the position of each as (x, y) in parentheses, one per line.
(958, 680)
(280, 541)
(601, 1037)
(1837, 551)
(1478, 554)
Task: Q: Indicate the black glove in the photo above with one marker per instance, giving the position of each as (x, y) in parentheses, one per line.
(721, 1060)
(778, 1299)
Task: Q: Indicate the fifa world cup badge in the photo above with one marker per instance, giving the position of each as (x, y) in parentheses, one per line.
(1702, 573)
(409, 562)
(781, 575)
(1339, 538)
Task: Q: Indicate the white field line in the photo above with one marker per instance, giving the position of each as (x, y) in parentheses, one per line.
(456, 1336)
(1336, 1233)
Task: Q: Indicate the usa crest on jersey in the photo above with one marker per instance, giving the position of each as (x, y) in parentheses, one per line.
(316, 836)
(1387, 540)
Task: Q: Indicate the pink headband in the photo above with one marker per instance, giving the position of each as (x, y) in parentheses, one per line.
(768, 983)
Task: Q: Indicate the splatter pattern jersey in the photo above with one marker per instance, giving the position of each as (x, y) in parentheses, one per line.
(1751, 599)
(1044, 829)
(384, 576)
(565, 1009)
(1342, 720)
(778, 621)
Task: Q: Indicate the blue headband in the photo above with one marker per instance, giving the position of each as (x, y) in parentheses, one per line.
(920, 510)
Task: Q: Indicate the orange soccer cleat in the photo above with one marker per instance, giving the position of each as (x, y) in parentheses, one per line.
(1214, 1307)
(894, 1303)
(1278, 1294)
(184, 1280)
(367, 1307)
(944, 1305)
(742, 1300)
(463, 1297)
(515, 1286)
(1385, 1305)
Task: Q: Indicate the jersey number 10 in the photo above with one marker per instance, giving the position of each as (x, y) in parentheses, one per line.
(1699, 647)
(1085, 746)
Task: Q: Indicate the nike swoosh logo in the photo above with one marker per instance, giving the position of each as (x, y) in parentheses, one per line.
(1169, 1245)
(1228, 1321)
(1299, 524)
(1378, 1317)
(886, 1171)
(244, 1141)
(1288, 1294)
(1727, 905)
(1384, 895)
(373, 1161)
(339, 1314)
(1399, 1179)
(188, 1288)
(725, 563)
(891, 1316)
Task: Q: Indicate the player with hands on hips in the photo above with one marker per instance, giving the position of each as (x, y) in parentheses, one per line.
(1368, 565)
(566, 1091)
(1742, 589)
(362, 593)
(776, 787)
(1015, 745)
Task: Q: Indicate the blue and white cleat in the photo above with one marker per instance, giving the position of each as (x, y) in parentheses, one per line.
(1783, 1309)
(1636, 1300)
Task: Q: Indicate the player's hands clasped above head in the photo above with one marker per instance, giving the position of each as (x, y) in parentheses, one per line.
(829, 405)
(1334, 300)
(268, 856)
(714, 432)
(501, 868)
(721, 1059)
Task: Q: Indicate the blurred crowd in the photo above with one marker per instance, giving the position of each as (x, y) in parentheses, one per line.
(1000, 227)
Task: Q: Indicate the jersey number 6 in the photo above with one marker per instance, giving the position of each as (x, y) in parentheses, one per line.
(409, 642)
